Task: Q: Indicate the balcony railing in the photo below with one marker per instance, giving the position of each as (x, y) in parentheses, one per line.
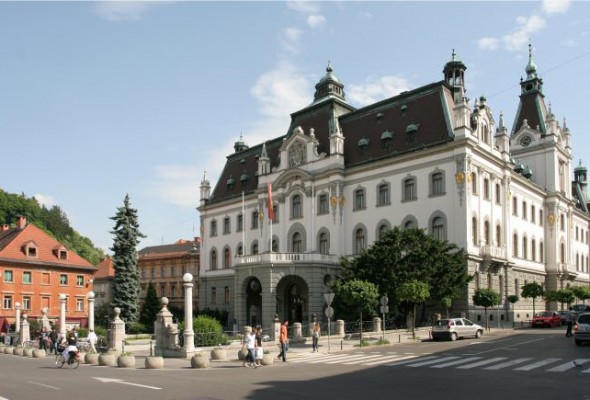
(287, 258)
(489, 251)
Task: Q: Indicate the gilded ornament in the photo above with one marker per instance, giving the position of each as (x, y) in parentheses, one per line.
(551, 219)
(460, 177)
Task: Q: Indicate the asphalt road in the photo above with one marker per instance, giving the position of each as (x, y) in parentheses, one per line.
(521, 365)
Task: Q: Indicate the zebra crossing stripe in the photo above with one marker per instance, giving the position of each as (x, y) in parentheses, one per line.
(412, 359)
(421, 364)
(568, 365)
(383, 360)
(352, 358)
(480, 363)
(537, 364)
(314, 359)
(507, 364)
(451, 363)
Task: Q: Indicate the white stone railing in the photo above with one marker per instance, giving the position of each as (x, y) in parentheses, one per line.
(287, 258)
(492, 251)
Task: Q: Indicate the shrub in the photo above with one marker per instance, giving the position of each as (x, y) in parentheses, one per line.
(100, 331)
(82, 332)
(137, 327)
(208, 331)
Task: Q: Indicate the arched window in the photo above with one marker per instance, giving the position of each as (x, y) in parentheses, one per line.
(226, 258)
(275, 245)
(486, 232)
(359, 240)
(383, 194)
(296, 208)
(486, 189)
(498, 235)
(324, 243)
(525, 247)
(359, 199)
(562, 253)
(533, 250)
(474, 231)
(515, 245)
(255, 248)
(240, 251)
(296, 243)
(213, 259)
(410, 189)
(438, 228)
(473, 183)
(383, 228)
(541, 253)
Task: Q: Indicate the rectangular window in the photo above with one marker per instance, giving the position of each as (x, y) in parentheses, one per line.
(524, 209)
(45, 278)
(26, 302)
(27, 277)
(498, 194)
(80, 280)
(45, 303)
(172, 291)
(437, 184)
(541, 217)
(383, 195)
(213, 228)
(8, 276)
(255, 219)
(409, 189)
(226, 295)
(359, 199)
(162, 291)
(213, 295)
(7, 304)
(79, 304)
(515, 206)
(486, 189)
(323, 204)
(240, 223)
(63, 279)
(226, 227)
(63, 255)
(533, 213)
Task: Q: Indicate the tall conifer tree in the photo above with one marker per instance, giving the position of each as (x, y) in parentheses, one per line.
(126, 282)
(151, 306)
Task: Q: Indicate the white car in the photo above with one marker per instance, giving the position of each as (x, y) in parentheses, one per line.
(455, 328)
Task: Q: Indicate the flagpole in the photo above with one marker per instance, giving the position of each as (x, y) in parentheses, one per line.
(243, 225)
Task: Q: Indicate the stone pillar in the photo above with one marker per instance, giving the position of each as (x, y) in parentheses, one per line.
(91, 311)
(45, 321)
(339, 328)
(297, 334)
(163, 330)
(17, 323)
(62, 315)
(376, 324)
(276, 329)
(25, 333)
(189, 334)
(117, 334)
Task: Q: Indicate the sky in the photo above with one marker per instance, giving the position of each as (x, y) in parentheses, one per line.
(103, 99)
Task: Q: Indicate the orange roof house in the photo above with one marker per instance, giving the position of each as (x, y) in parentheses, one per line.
(35, 269)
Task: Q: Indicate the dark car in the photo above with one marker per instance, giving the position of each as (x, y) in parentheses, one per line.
(582, 328)
(546, 318)
(580, 308)
(564, 313)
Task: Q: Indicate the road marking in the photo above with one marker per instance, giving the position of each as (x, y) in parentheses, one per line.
(451, 363)
(122, 382)
(352, 358)
(422, 363)
(537, 364)
(504, 347)
(3, 398)
(383, 360)
(44, 385)
(480, 363)
(412, 359)
(568, 365)
(508, 364)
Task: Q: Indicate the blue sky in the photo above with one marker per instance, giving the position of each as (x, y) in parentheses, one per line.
(100, 99)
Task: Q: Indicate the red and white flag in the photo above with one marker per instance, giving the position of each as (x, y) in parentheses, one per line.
(271, 211)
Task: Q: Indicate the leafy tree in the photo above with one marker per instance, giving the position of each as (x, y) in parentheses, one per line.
(358, 295)
(414, 293)
(563, 296)
(403, 255)
(581, 292)
(512, 298)
(532, 290)
(208, 331)
(151, 306)
(126, 281)
(485, 298)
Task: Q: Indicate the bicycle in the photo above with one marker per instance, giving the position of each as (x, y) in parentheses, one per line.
(73, 360)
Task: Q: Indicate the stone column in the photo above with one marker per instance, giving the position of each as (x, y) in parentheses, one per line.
(91, 311)
(17, 323)
(25, 333)
(62, 315)
(44, 320)
(339, 328)
(117, 334)
(189, 334)
(276, 329)
(161, 327)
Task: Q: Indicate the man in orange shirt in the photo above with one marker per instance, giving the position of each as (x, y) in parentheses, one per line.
(284, 339)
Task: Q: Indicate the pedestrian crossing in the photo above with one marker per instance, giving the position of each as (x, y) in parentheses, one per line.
(411, 360)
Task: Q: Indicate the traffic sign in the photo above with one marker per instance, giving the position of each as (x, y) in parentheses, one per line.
(329, 312)
(384, 300)
(329, 297)
(384, 309)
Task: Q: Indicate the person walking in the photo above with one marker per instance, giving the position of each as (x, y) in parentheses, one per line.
(92, 339)
(569, 320)
(259, 349)
(54, 341)
(251, 346)
(315, 336)
(284, 340)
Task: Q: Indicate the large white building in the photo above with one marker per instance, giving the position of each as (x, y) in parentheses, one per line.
(340, 176)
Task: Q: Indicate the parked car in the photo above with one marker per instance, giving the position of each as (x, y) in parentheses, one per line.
(455, 328)
(564, 313)
(582, 329)
(546, 318)
(580, 308)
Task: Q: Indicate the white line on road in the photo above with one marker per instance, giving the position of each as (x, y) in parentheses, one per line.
(456, 362)
(568, 365)
(421, 364)
(44, 385)
(508, 363)
(537, 364)
(122, 382)
(504, 347)
(480, 363)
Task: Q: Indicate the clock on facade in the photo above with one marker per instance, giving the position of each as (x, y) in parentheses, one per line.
(525, 140)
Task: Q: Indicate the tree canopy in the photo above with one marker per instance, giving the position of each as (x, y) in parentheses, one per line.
(126, 282)
(532, 290)
(414, 292)
(52, 220)
(485, 298)
(404, 255)
(151, 306)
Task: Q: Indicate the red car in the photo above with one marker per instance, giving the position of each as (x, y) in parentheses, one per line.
(546, 318)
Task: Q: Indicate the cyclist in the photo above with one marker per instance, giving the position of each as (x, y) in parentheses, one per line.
(72, 340)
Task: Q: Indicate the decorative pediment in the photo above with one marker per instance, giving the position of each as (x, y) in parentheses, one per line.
(299, 149)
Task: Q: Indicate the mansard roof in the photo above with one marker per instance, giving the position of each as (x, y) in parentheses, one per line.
(178, 248)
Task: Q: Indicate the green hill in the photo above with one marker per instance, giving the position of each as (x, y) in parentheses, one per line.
(53, 220)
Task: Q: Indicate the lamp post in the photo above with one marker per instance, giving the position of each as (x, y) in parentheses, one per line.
(91, 296)
(189, 334)
(62, 315)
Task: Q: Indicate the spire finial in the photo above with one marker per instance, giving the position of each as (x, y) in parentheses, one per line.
(501, 123)
(453, 55)
(329, 67)
(530, 50)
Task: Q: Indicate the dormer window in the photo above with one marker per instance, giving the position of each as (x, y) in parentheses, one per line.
(244, 179)
(61, 253)
(386, 139)
(231, 183)
(30, 249)
(363, 144)
(411, 131)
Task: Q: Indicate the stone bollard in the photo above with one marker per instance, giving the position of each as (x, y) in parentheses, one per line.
(377, 324)
(339, 331)
(297, 333)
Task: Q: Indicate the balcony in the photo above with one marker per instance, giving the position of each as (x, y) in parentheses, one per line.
(567, 271)
(287, 258)
(492, 252)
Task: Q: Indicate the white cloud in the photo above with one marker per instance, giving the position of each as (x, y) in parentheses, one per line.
(305, 7)
(488, 43)
(366, 15)
(45, 200)
(289, 40)
(555, 6)
(376, 88)
(124, 10)
(316, 21)
(176, 184)
(519, 38)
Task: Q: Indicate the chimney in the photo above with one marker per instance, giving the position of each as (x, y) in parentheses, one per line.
(22, 222)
